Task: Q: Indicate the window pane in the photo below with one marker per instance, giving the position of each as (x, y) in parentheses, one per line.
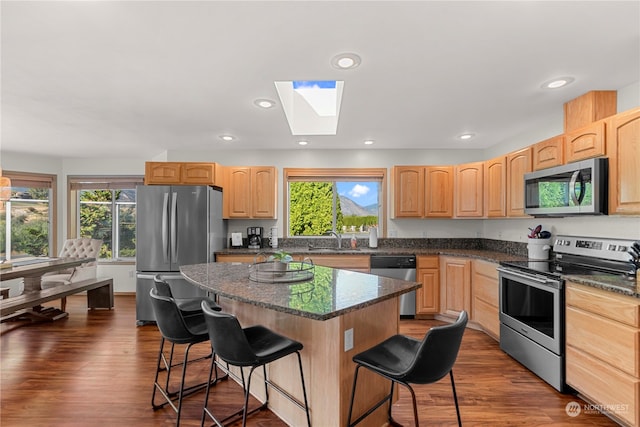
(344, 206)
(29, 216)
(126, 203)
(96, 218)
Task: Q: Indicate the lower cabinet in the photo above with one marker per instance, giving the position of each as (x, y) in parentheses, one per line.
(603, 350)
(455, 285)
(428, 296)
(484, 291)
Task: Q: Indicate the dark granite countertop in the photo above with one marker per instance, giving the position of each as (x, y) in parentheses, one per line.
(609, 282)
(329, 293)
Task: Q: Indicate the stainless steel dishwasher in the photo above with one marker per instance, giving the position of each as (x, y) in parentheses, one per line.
(398, 267)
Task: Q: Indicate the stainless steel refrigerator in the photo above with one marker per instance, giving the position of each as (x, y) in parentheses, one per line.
(176, 225)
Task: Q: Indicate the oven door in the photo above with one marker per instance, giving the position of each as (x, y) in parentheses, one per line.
(533, 307)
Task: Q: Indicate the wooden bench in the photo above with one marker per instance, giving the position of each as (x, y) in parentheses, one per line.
(99, 295)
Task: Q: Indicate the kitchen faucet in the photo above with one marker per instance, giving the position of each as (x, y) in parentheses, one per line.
(337, 236)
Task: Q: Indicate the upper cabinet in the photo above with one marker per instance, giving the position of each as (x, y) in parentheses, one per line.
(585, 142)
(518, 163)
(408, 186)
(623, 150)
(548, 153)
(589, 108)
(469, 190)
(439, 191)
(423, 191)
(495, 187)
(250, 192)
(182, 173)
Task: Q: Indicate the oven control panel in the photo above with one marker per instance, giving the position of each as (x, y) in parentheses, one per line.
(599, 247)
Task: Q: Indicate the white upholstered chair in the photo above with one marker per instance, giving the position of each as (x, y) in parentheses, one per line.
(74, 248)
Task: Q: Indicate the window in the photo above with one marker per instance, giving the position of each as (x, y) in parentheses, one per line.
(347, 201)
(28, 217)
(105, 208)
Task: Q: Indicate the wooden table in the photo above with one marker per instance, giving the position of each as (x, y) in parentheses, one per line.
(31, 271)
(335, 315)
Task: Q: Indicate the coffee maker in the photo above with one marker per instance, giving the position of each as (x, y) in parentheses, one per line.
(254, 237)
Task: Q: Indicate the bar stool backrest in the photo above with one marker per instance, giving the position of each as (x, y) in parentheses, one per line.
(169, 319)
(162, 287)
(437, 353)
(227, 338)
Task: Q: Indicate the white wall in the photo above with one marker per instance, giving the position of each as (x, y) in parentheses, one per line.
(501, 229)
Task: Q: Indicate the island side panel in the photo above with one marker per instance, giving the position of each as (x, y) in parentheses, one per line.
(327, 367)
(371, 325)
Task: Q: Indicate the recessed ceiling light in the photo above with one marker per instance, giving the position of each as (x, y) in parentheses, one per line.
(557, 83)
(368, 142)
(345, 61)
(264, 103)
(302, 142)
(466, 136)
(227, 137)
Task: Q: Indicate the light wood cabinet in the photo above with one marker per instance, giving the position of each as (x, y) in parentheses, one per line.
(439, 191)
(585, 143)
(589, 108)
(359, 263)
(428, 296)
(408, 183)
(423, 191)
(250, 192)
(548, 153)
(469, 190)
(603, 349)
(518, 163)
(495, 187)
(623, 150)
(455, 285)
(182, 173)
(484, 291)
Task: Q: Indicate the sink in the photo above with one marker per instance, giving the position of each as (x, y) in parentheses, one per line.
(333, 250)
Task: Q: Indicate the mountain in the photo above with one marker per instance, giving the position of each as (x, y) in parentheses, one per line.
(349, 207)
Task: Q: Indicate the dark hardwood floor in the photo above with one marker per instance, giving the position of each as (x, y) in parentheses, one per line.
(97, 367)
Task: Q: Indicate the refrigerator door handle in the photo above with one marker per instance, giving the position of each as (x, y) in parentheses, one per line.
(174, 231)
(165, 227)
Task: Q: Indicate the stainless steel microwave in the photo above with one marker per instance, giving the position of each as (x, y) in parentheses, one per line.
(578, 188)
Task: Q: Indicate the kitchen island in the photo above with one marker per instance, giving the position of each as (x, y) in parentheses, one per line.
(335, 314)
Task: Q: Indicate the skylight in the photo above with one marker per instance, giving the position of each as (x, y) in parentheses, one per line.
(312, 107)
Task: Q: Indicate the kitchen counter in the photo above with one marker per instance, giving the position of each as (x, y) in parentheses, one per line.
(609, 282)
(329, 293)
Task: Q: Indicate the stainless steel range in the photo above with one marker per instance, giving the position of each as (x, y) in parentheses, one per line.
(531, 295)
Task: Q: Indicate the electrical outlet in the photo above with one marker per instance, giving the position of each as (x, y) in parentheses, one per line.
(348, 339)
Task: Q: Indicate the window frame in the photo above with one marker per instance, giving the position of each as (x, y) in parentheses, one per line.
(77, 183)
(41, 180)
(334, 174)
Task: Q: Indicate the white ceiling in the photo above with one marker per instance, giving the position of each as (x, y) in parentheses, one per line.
(134, 79)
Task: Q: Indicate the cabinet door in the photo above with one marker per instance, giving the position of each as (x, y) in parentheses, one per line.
(439, 191)
(548, 153)
(237, 192)
(359, 263)
(408, 191)
(455, 286)
(518, 163)
(162, 173)
(495, 187)
(585, 142)
(469, 189)
(263, 192)
(198, 174)
(623, 149)
(484, 294)
(428, 296)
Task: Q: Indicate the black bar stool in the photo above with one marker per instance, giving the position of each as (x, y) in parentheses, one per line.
(252, 347)
(177, 328)
(405, 360)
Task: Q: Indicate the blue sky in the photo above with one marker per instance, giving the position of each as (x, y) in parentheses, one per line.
(363, 193)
